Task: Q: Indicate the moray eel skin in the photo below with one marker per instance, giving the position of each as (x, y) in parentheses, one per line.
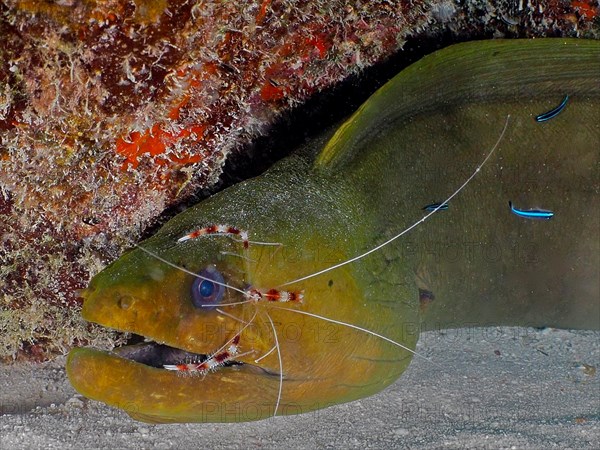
(413, 143)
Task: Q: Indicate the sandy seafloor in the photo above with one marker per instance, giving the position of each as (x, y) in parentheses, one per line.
(496, 388)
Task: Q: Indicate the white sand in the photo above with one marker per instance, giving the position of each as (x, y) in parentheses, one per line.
(536, 393)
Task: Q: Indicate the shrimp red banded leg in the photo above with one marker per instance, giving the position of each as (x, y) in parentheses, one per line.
(223, 230)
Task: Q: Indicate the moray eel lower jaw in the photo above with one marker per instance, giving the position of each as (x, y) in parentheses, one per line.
(173, 398)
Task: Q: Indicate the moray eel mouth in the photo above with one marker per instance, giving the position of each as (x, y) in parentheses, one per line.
(157, 355)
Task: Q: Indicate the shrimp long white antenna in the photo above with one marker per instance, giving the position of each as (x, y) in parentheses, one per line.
(239, 333)
(280, 364)
(364, 330)
(183, 269)
(257, 360)
(232, 303)
(231, 316)
(418, 222)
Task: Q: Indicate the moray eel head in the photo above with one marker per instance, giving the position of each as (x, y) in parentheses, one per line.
(286, 362)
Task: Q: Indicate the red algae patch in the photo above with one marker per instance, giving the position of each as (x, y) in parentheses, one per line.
(155, 142)
(112, 111)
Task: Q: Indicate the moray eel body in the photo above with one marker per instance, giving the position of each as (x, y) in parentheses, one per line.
(412, 143)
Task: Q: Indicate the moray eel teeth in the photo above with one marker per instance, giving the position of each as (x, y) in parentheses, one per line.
(158, 355)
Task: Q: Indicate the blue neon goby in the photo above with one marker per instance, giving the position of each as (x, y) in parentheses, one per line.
(433, 206)
(553, 112)
(531, 213)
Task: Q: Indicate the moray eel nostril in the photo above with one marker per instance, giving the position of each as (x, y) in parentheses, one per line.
(125, 301)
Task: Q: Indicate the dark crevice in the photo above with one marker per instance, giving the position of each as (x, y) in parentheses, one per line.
(323, 110)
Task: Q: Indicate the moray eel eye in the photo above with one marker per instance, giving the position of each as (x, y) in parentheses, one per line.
(208, 288)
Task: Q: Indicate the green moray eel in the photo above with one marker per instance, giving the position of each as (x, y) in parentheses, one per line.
(413, 143)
